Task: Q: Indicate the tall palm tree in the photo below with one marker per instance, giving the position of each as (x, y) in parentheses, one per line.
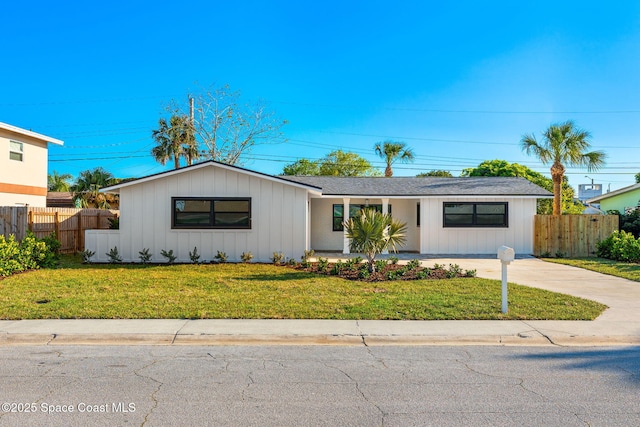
(59, 182)
(175, 139)
(563, 144)
(391, 151)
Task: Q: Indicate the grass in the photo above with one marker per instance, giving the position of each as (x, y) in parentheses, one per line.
(258, 291)
(601, 265)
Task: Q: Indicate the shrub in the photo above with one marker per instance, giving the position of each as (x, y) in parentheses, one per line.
(169, 256)
(114, 223)
(413, 264)
(323, 263)
(277, 258)
(307, 255)
(87, 255)
(423, 274)
(145, 256)
(246, 257)
(9, 250)
(625, 248)
(221, 257)
(605, 246)
(470, 273)
(114, 256)
(620, 246)
(194, 256)
(393, 259)
(337, 268)
(380, 264)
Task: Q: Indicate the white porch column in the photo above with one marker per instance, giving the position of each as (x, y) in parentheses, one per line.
(385, 210)
(423, 226)
(345, 217)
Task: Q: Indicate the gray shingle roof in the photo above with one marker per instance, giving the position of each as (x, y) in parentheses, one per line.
(427, 186)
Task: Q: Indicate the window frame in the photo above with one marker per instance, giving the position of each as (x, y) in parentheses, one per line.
(335, 227)
(211, 225)
(475, 214)
(13, 151)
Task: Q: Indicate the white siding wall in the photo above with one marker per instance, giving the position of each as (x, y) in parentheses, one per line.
(278, 217)
(439, 240)
(323, 238)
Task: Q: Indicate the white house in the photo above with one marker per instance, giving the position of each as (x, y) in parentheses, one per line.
(23, 166)
(217, 207)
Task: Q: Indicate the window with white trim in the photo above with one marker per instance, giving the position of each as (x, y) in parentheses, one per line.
(16, 150)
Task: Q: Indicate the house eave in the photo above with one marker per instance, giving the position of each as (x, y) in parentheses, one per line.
(209, 163)
(30, 134)
(614, 193)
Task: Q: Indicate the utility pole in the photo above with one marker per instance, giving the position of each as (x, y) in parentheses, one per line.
(191, 110)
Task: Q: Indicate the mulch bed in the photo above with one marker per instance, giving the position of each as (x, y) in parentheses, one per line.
(382, 275)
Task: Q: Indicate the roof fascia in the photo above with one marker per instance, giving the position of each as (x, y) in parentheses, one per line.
(209, 163)
(31, 134)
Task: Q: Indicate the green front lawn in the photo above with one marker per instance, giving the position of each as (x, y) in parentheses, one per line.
(258, 291)
(601, 265)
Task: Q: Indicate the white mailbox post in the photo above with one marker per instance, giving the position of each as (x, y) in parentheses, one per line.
(505, 255)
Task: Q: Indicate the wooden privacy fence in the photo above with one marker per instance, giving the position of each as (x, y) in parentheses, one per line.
(68, 224)
(571, 235)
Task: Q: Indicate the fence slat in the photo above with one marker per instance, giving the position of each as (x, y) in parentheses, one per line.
(571, 235)
(68, 224)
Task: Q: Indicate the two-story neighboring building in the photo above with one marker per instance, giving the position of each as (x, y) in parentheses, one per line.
(23, 166)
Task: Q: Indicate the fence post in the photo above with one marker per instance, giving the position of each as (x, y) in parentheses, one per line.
(30, 225)
(77, 242)
(56, 225)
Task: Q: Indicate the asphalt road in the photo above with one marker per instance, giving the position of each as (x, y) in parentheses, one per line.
(319, 386)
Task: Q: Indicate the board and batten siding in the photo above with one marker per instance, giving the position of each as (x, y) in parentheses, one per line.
(436, 239)
(278, 218)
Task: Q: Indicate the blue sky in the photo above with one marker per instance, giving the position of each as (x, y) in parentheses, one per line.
(459, 82)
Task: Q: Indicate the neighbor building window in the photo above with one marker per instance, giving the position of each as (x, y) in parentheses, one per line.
(207, 212)
(16, 150)
(478, 214)
(338, 213)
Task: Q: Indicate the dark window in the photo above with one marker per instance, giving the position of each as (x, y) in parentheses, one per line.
(418, 221)
(338, 213)
(201, 212)
(489, 214)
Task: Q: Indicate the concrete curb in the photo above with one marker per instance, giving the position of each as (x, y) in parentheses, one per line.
(126, 339)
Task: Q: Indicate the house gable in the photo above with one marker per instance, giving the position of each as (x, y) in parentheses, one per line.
(23, 166)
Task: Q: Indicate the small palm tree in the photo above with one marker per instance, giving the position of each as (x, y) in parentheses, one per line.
(86, 189)
(391, 151)
(59, 182)
(175, 139)
(372, 232)
(563, 144)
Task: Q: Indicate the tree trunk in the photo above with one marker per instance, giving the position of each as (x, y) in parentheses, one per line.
(388, 172)
(557, 173)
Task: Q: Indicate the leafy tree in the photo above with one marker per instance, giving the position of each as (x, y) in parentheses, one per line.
(340, 163)
(544, 206)
(302, 167)
(225, 128)
(336, 163)
(86, 192)
(637, 178)
(59, 182)
(436, 173)
(563, 144)
(391, 151)
(372, 232)
(175, 139)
